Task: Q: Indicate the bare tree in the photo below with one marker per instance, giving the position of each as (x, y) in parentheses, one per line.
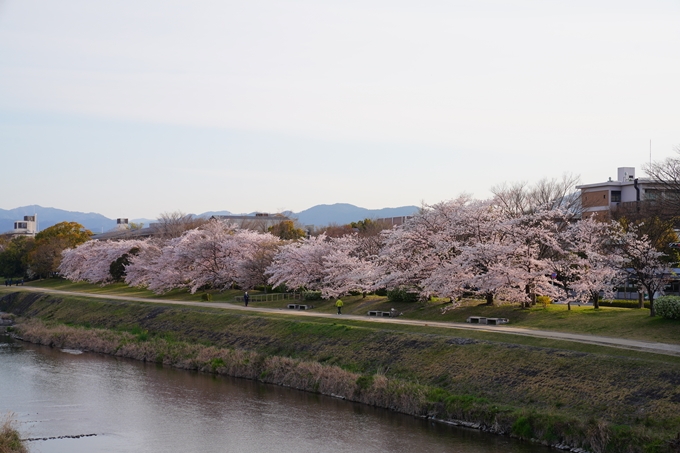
(667, 175)
(513, 198)
(519, 198)
(173, 224)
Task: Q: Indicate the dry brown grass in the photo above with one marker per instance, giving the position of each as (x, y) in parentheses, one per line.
(10, 441)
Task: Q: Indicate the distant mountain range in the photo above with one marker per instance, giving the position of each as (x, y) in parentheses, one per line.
(320, 215)
(343, 213)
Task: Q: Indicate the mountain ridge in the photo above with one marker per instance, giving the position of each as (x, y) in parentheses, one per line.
(319, 215)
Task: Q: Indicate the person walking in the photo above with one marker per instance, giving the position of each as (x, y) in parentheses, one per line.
(338, 304)
(246, 298)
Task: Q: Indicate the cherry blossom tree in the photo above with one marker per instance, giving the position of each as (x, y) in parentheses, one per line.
(595, 267)
(485, 258)
(257, 254)
(350, 266)
(414, 251)
(91, 261)
(641, 262)
(535, 239)
(144, 266)
(216, 255)
(300, 264)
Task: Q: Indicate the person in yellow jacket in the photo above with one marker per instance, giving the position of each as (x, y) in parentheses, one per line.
(338, 304)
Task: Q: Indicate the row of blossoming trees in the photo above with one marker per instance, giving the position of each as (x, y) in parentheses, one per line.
(453, 248)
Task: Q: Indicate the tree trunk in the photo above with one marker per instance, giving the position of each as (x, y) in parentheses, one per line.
(489, 298)
(568, 304)
(641, 299)
(596, 300)
(651, 304)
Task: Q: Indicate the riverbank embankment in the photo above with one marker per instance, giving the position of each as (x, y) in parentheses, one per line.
(598, 402)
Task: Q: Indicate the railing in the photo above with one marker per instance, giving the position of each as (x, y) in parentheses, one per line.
(273, 297)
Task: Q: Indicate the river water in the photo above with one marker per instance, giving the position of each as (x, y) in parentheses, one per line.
(137, 407)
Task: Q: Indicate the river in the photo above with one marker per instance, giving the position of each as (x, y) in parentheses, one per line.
(132, 406)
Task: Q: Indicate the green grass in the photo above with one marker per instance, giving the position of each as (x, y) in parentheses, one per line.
(628, 323)
(609, 322)
(121, 289)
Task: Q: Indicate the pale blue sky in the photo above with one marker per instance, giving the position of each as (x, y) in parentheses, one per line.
(133, 108)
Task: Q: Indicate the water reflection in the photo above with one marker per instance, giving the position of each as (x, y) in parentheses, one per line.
(133, 407)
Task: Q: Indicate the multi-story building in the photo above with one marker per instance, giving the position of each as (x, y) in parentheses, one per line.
(601, 199)
(26, 227)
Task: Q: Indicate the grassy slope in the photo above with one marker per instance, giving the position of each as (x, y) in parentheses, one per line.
(612, 322)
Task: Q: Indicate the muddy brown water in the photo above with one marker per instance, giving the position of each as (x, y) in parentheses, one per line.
(132, 406)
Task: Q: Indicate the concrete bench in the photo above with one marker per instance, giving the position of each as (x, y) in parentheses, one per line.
(488, 321)
(382, 314)
(299, 307)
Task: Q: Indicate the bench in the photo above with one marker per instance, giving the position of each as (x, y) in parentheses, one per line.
(385, 314)
(299, 307)
(488, 321)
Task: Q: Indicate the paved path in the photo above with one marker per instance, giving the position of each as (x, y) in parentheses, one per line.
(658, 348)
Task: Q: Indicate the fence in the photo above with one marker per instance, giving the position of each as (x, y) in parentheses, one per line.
(273, 297)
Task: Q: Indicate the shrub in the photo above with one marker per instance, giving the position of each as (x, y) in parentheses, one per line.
(522, 427)
(622, 303)
(10, 440)
(402, 295)
(543, 300)
(206, 297)
(667, 307)
(311, 295)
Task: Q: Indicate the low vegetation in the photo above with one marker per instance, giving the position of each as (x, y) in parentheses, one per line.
(10, 441)
(669, 307)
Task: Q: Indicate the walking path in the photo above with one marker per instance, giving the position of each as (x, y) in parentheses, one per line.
(623, 343)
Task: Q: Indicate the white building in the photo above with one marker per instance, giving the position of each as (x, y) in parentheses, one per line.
(122, 224)
(26, 227)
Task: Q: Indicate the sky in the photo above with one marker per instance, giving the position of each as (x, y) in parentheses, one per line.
(136, 108)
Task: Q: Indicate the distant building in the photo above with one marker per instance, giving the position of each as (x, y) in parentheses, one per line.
(392, 221)
(261, 221)
(627, 192)
(122, 224)
(26, 227)
(122, 230)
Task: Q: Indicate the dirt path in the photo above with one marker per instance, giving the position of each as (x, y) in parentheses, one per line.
(657, 348)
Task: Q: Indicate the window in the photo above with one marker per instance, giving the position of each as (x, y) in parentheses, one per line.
(651, 194)
(616, 196)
